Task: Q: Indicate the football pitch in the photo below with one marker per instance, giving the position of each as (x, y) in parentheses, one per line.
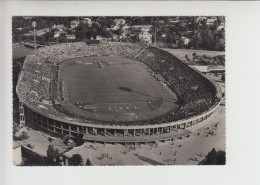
(109, 88)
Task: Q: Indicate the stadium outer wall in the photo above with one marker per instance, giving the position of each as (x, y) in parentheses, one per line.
(112, 134)
(115, 133)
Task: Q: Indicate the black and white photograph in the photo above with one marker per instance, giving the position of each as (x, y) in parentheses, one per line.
(129, 93)
(118, 90)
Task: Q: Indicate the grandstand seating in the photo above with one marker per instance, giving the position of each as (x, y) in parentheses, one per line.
(40, 70)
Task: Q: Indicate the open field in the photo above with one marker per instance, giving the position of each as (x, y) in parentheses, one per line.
(114, 89)
(180, 53)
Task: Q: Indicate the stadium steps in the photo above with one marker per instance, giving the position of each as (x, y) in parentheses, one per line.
(137, 139)
(140, 53)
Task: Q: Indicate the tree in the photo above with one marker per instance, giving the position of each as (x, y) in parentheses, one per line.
(223, 77)
(88, 163)
(57, 156)
(108, 34)
(187, 57)
(52, 154)
(76, 160)
(181, 43)
(137, 21)
(24, 135)
(215, 158)
(15, 128)
(105, 22)
(62, 38)
(66, 139)
(48, 37)
(155, 23)
(84, 31)
(194, 55)
(119, 31)
(197, 41)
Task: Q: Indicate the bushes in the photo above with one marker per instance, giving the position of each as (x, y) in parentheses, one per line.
(23, 136)
(88, 163)
(223, 77)
(215, 158)
(76, 160)
(15, 128)
(66, 139)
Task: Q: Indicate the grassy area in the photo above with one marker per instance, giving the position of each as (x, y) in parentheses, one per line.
(114, 88)
(180, 53)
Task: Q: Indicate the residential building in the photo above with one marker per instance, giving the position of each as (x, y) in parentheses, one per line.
(87, 21)
(185, 40)
(146, 37)
(74, 24)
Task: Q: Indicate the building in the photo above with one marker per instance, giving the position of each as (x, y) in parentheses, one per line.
(74, 24)
(93, 42)
(120, 22)
(115, 37)
(146, 37)
(56, 35)
(60, 27)
(216, 69)
(185, 41)
(202, 69)
(142, 27)
(211, 22)
(98, 37)
(71, 37)
(209, 69)
(125, 27)
(220, 28)
(174, 20)
(87, 21)
(42, 31)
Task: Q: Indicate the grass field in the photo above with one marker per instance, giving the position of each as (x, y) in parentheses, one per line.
(180, 53)
(114, 89)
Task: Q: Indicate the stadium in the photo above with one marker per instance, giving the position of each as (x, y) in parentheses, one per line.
(113, 93)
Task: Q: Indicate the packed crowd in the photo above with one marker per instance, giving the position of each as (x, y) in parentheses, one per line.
(39, 72)
(32, 88)
(55, 53)
(196, 92)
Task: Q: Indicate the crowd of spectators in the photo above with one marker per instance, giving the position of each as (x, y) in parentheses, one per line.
(39, 76)
(33, 89)
(196, 92)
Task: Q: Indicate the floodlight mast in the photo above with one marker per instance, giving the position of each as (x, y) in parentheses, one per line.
(34, 34)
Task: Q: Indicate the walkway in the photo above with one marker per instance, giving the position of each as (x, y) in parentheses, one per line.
(137, 139)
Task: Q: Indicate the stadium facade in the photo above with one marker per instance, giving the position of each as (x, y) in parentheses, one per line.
(41, 95)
